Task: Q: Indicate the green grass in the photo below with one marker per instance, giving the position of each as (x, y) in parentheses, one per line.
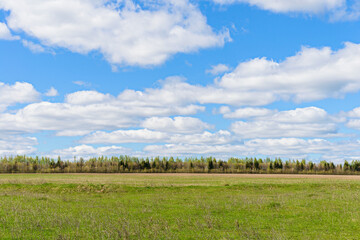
(99, 206)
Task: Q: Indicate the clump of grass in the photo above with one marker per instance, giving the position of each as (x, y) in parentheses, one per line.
(275, 205)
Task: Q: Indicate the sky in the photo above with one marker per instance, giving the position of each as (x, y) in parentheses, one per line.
(223, 78)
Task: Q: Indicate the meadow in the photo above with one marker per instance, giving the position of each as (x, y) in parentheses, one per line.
(179, 206)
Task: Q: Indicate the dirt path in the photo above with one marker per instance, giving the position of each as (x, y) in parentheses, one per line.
(354, 177)
(230, 175)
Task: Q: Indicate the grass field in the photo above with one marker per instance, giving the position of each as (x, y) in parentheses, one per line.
(179, 206)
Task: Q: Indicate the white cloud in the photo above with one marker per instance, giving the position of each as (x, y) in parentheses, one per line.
(354, 121)
(177, 125)
(35, 48)
(17, 145)
(5, 33)
(336, 151)
(312, 74)
(297, 148)
(264, 129)
(87, 97)
(148, 136)
(87, 151)
(208, 138)
(72, 132)
(82, 83)
(301, 122)
(52, 92)
(347, 12)
(355, 113)
(285, 6)
(19, 92)
(217, 69)
(184, 149)
(174, 90)
(302, 115)
(123, 31)
(246, 112)
(284, 147)
(287, 146)
(86, 111)
(70, 119)
(125, 136)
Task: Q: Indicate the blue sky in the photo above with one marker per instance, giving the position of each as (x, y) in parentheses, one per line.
(182, 78)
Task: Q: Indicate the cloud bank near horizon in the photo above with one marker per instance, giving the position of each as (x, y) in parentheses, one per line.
(167, 119)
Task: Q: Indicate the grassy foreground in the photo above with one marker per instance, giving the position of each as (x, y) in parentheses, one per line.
(182, 206)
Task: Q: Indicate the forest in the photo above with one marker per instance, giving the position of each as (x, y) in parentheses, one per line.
(128, 164)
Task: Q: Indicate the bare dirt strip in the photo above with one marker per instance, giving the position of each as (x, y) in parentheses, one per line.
(252, 175)
(240, 175)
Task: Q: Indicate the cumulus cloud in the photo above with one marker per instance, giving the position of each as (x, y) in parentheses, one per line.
(303, 115)
(353, 123)
(217, 69)
(355, 113)
(246, 112)
(175, 90)
(250, 84)
(87, 97)
(190, 149)
(87, 151)
(125, 32)
(312, 74)
(297, 148)
(301, 122)
(35, 48)
(52, 92)
(348, 12)
(86, 111)
(285, 6)
(148, 136)
(270, 147)
(5, 33)
(19, 92)
(208, 138)
(264, 129)
(178, 124)
(17, 145)
(125, 136)
(70, 132)
(70, 119)
(354, 118)
(336, 151)
(287, 146)
(82, 83)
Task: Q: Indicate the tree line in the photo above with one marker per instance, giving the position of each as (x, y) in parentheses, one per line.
(128, 164)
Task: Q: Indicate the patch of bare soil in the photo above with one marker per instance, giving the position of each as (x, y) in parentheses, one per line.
(242, 175)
